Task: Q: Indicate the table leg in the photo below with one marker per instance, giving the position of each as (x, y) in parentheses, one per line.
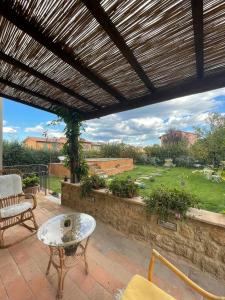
(62, 271)
(50, 260)
(85, 257)
(61, 267)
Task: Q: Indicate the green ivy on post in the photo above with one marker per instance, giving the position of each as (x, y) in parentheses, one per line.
(72, 148)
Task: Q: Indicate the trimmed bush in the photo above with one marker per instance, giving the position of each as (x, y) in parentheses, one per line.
(166, 201)
(125, 188)
(184, 161)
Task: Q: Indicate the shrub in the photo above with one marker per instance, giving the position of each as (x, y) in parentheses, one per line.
(155, 161)
(165, 201)
(31, 180)
(142, 158)
(167, 151)
(91, 182)
(125, 188)
(184, 161)
(120, 150)
(16, 153)
(92, 153)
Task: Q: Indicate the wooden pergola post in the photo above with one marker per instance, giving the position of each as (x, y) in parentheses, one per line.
(74, 157)
(72, 134)
(1, 135)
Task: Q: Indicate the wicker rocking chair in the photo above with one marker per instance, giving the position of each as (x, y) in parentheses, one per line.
(15, 209)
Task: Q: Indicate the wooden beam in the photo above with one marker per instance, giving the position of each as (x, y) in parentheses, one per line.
(182, 88)
(16, 99)
(197, 16)
(94, 6)
(33, 29)
(38, 95)
(12, 61)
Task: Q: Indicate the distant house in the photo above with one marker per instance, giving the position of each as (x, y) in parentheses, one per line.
(190, 137)
(39, 143)
(56, 144)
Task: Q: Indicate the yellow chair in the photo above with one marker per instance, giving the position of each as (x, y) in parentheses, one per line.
(140, 288)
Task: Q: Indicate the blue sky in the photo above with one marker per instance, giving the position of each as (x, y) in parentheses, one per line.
(141, 126)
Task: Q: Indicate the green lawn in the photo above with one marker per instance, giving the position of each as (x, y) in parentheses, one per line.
(211, 194)
(55, 184)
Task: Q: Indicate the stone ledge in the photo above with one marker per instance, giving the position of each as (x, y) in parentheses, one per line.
(208, 217)
(199, 239)
(201, 215)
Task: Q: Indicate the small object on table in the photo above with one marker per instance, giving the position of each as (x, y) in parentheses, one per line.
(64, 235)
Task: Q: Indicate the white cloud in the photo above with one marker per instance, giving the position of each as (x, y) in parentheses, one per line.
(10, 130)
(144, 125)
(40, 129)
(55, 133)
(35, 129)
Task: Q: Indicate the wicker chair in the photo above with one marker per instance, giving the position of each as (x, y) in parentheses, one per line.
(14, 210)
(141, 288)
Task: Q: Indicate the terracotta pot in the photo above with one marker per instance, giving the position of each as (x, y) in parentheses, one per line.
(31, 189)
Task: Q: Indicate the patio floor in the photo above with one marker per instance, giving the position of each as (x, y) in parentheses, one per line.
(113, 259)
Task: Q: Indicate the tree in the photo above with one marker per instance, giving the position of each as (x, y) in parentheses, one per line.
(210, 148)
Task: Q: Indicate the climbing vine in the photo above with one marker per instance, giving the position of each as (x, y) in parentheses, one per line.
(72, 149)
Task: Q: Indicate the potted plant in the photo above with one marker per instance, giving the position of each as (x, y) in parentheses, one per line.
(31, 184)
(88, 183)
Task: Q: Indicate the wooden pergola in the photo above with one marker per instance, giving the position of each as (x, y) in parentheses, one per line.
(101, 57)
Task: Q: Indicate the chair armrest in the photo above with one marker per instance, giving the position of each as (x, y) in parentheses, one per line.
(34, 199)
(181, 275)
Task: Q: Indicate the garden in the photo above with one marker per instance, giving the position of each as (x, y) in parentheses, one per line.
(211, 194)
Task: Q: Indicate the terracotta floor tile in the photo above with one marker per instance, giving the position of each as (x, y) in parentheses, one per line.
(10, 272)
(42, 288)
(113, 259)
(110, 283)
(79, 277)
(128, 264)
(18, 289)
(99, 293)
(3, 295)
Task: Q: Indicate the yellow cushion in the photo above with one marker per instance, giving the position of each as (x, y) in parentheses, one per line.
(140, 288)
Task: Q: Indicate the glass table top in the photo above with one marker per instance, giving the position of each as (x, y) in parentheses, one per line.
(66, 229)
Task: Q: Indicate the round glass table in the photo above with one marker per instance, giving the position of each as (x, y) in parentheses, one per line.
(67, 236)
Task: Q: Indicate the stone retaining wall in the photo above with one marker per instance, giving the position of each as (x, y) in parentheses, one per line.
(200, 238)
(108, 166)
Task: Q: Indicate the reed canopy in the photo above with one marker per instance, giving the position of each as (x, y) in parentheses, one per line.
(101, 57)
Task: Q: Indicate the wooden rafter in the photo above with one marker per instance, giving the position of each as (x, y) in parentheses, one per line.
(38, 95)
(16, 99)
(101, 16)
(58, 49)
(12, 61)
(197, 15)
(180, 89)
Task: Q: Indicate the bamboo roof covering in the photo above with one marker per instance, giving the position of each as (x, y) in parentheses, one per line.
(101, 57)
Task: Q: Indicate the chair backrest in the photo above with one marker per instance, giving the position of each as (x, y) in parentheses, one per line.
(10, 185)
(181, 275)
(9, 171)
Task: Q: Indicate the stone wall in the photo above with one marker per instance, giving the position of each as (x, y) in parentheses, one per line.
(200, 238)
(108, 166)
